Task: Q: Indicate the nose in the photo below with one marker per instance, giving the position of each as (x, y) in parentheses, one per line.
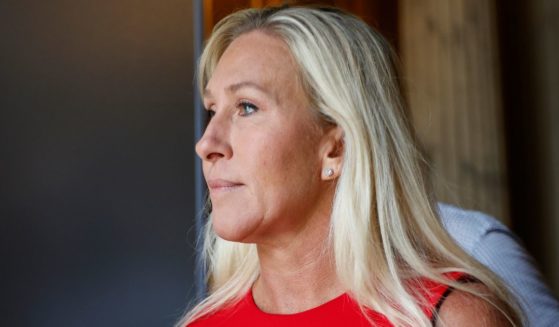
(214, 144)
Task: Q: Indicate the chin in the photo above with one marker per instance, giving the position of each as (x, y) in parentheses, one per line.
(225, 234)
(231, 229)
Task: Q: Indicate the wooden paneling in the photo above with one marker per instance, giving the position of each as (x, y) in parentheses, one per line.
(449, 53)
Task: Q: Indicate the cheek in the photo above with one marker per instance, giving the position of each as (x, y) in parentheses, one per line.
(286, 167)
(279, 162)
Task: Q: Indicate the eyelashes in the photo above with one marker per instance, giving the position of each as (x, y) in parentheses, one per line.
(246, 108)
(209, 115)
(243, 108)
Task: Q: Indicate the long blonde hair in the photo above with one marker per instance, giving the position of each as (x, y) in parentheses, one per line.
(385, 228)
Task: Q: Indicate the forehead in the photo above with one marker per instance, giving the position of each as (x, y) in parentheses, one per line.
(257, 57)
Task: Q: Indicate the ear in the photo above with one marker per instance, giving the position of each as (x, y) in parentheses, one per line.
(332, 151)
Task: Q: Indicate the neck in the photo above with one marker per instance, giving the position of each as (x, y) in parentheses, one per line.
(298, 275)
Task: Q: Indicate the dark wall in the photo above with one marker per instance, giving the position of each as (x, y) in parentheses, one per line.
(520, 109)
(526, 135)
(96, 162)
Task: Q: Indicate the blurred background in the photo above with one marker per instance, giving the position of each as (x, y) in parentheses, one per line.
(99, 189)
(96, 162)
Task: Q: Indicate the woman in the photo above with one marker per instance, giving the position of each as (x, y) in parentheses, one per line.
(320, 214)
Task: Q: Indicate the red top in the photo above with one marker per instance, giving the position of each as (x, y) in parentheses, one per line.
(342, 310)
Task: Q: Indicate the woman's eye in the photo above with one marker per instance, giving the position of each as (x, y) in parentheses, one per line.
(209, 115)
(247, 108)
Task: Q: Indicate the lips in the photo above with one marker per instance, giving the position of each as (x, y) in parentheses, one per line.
(216, 185)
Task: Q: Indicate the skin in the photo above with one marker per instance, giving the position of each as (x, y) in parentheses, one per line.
(264, 154)
(463, 309)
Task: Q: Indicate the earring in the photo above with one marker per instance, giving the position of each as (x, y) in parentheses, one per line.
(329, 172)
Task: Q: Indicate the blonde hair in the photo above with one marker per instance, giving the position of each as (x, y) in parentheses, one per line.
(385, 229)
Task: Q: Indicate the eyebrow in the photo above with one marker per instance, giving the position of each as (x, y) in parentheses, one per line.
(237, 86)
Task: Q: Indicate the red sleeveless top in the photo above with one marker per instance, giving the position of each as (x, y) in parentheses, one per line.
(340, 311)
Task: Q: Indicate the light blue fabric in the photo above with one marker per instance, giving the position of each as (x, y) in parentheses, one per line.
(494, 245)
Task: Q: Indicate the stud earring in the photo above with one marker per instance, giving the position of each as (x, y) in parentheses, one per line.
(329, 172)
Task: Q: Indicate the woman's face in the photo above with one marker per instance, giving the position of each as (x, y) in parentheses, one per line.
(263, 148)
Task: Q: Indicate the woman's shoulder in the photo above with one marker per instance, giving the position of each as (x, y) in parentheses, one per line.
(432, 293)
(449, 306)
(461, 308)
(446, 305)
